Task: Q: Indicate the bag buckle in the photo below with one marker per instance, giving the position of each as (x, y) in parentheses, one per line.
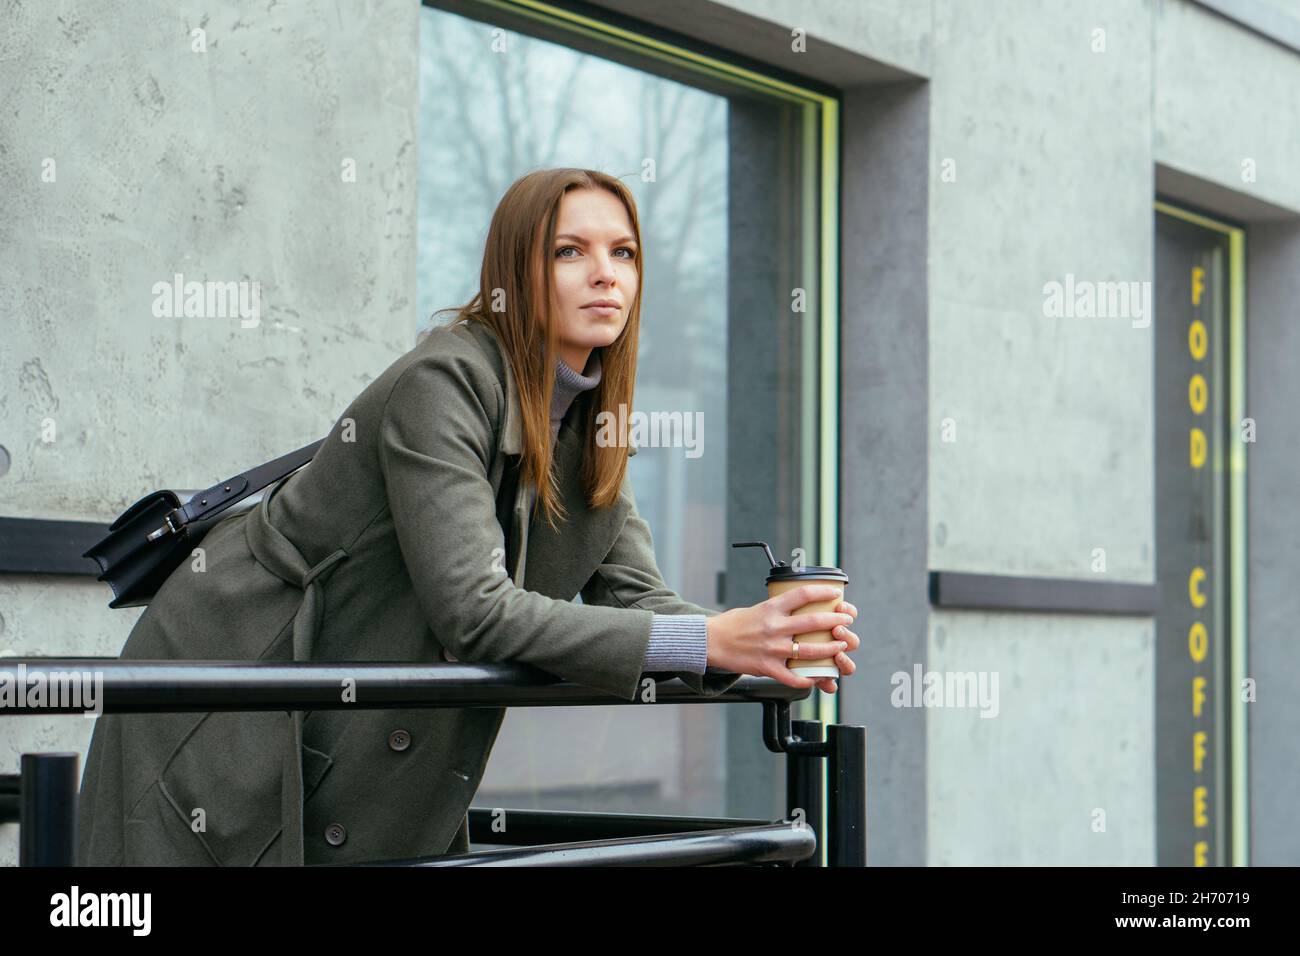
(169, 526)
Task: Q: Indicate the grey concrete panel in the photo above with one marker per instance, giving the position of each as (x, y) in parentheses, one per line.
(1273, 461)
(1062, 770)
(844, 43)
(225, 166)
(1046, 141)
(883, 388)
(1222, 94)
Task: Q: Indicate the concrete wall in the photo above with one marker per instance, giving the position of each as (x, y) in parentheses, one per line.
(1069, 745)
(221, 165)
(1052, 445)
(1050, 143)
(1273, 528)
(1225, 104)
(884, 358)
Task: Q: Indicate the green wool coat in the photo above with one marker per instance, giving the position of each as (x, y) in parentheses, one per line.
(386, 547)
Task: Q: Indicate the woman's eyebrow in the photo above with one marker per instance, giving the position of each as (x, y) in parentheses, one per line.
(619, 240)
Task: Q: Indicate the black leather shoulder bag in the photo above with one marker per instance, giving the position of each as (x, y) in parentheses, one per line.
(150, 539)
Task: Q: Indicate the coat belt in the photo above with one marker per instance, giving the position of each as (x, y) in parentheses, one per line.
(278, 555)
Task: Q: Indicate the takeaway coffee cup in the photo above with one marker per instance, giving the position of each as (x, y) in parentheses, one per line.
(781, 578)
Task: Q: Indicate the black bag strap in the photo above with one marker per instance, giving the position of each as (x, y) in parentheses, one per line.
(233, 490)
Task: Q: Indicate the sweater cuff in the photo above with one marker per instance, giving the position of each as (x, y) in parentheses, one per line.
(678, 642)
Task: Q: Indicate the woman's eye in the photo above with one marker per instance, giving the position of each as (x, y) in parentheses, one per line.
(630, 257)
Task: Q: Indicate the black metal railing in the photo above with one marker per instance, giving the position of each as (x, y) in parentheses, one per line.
(42, 799)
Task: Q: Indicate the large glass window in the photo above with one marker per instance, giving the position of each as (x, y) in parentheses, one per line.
(727, 167)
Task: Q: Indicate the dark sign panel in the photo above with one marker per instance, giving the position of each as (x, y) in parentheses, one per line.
(1193, 684)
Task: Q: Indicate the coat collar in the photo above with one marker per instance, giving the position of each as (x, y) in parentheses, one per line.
(510, 437)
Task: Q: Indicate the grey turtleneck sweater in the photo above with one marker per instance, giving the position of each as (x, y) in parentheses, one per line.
(678, 642)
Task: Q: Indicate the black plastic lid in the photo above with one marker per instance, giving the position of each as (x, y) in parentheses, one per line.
(783, 572)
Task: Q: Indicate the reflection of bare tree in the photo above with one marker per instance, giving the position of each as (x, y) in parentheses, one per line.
(509, 112)
(475, 167)
(688, 191)
(566, 101)
(515, 133)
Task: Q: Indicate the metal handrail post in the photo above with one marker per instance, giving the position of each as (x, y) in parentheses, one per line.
(47, 829)
(846, 776)
(10, 784)
(803, 787)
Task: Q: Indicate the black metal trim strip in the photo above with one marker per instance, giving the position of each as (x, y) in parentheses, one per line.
(48, 546)
(1004, 592)
(1282, 28)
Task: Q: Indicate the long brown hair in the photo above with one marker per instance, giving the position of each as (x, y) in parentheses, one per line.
(517, 285)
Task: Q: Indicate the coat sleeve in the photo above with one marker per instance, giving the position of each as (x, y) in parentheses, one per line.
(629, 577)
(436, 442)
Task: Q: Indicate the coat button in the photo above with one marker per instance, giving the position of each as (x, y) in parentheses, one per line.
(335, 834)
(399, 740)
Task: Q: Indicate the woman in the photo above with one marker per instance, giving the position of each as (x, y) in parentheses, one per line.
(407, 539)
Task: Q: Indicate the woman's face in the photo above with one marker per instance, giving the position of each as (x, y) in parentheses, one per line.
(595, 266)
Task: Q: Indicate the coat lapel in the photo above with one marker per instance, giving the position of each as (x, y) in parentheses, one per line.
(509, 442)
(510, 435)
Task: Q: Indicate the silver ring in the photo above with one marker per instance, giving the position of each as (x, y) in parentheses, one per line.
(795, 655)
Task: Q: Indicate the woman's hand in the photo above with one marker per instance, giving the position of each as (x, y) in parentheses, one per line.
(758, 640)
(842, 660)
